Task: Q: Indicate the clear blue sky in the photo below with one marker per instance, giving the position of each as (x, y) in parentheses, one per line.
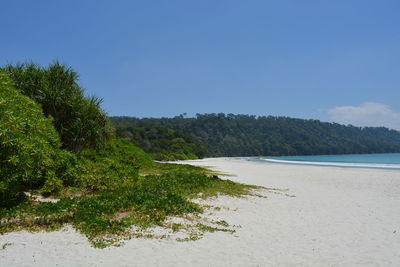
(163, 58)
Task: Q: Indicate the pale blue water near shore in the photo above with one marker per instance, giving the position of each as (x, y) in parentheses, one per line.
(381, 161)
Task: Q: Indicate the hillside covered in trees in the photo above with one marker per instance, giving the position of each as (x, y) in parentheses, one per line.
(164, 143)
(246, 135)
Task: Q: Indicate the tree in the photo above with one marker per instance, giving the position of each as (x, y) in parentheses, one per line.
(79, 120)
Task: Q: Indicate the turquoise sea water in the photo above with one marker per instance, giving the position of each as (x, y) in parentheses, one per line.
(386, 161)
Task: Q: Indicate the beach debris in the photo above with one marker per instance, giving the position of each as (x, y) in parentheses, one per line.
(5, 245)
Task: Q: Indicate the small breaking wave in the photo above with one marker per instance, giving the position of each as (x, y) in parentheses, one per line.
(337, 164)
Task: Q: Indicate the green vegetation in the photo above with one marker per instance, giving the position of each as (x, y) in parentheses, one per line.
(163, 143)
(57, 143)
(30, 154)
(111, 167)
(79, 120)
(245, 135)
(107, 216)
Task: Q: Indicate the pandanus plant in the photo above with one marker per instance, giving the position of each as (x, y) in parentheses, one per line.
(79, 120)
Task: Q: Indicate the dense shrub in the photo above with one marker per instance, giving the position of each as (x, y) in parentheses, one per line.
(173, 156)
(30, 154)
(111, 167)
(79, 120)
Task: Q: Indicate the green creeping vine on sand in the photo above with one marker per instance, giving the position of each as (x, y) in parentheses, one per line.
(108, 217)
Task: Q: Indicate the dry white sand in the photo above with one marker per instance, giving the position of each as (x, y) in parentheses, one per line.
(339, 217)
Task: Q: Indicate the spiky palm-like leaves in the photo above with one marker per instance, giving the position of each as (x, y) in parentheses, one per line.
(79, 120)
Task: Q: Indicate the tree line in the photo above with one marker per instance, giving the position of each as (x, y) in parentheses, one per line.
(249, 135)
(164, 143)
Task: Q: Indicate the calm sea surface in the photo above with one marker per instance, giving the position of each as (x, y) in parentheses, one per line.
(385, 161)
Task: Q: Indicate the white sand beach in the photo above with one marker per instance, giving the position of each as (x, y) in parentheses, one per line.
(337, 217)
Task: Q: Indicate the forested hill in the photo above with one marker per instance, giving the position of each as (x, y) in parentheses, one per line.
(163, 143)
(246, 135)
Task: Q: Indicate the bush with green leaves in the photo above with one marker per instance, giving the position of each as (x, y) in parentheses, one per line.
(111, 167)
(30, 154)
(79, 120)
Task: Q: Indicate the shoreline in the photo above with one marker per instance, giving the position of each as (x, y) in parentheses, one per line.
(339, 216)
(275, 160)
